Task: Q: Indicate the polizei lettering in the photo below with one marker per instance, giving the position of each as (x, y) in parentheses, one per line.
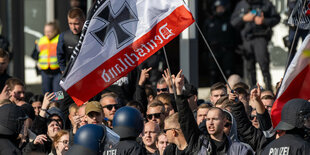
(279, 151)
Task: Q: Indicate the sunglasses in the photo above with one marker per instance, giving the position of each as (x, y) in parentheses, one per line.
(162, 90)
(156, 115)
(252, 117)
(110, 106)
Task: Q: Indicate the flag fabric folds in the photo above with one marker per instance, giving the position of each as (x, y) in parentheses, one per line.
(296, 81)
(117, 37)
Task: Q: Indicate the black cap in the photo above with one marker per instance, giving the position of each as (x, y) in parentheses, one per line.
(9, 116)
(292, 114)
(54, 111)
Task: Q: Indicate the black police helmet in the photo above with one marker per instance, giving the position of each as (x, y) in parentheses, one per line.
(11, 119)
(87, 140)
(127, 122)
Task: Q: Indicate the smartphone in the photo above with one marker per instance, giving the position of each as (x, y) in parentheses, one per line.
(59, 95)
(254, 12)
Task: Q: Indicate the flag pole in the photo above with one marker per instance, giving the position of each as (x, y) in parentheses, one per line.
(206, 42)
(169, 72)
(294, 39)
(291, 49)
(213, 56)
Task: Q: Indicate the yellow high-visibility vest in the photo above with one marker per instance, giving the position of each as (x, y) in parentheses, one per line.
(48, 53)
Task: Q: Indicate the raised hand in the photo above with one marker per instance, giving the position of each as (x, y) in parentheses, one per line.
(232, 96)
(40, 139)
(76, 122)
(259, 19)
(144, 75)
(168, 80)
(248, 17)
(255, 100)
(46, 101)
(179, 82)
(255, 93)
(5, 94)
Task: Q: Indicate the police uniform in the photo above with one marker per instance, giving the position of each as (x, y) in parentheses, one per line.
(289, 144)
(126, 146)
(256, 37)
(293, 116)
(128, 124)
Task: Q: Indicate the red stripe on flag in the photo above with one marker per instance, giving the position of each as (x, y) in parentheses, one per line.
(298, 88)
(126, 59)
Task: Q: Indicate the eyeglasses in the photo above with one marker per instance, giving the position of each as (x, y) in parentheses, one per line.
(162, 90)
(252, 117)
(64, 142)
(110, 106)
(165, 130)
(150, 116)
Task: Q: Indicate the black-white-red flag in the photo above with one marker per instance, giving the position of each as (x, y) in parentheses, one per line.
(117, 37)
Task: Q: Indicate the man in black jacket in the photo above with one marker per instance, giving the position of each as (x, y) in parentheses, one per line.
(255, 19)
(197, 143)
(256, 138)
(69, 39)
(294, 120)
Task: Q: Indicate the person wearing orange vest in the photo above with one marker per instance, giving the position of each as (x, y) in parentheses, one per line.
(47, 58)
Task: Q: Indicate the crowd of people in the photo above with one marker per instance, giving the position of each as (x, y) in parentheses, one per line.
(162, 115)
(231, 122)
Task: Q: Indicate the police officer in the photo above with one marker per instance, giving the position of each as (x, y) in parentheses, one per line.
(221, 36)
(254, 19)
(90, 139)
(128, 124)
(11, 123)
(295, 119)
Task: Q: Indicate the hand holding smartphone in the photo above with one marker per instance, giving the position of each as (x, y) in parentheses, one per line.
(59, 95)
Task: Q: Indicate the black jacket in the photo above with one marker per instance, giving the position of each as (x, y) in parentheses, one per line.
(126, 147)
(246, 131)
(197, 142)
(39, 148)
(250, 30)
(7, 147)
(288, 144)
(66, 44)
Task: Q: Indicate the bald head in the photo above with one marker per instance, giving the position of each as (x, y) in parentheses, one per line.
(153, 125)
(151, 131)
(232, 80)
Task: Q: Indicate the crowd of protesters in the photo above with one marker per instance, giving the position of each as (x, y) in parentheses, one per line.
(166, 116)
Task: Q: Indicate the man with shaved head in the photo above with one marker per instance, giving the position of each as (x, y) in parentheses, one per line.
(150, 133)
(216, 141)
